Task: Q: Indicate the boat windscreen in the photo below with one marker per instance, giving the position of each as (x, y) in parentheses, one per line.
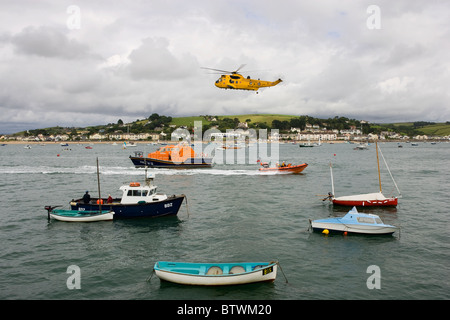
(365, 220)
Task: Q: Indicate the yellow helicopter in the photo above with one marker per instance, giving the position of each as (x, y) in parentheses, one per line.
(234, 80)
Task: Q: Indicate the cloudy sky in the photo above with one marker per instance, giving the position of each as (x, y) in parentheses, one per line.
(79, 63)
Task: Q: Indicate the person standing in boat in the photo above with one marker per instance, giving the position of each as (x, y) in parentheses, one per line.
(86, 197)
(110, 199)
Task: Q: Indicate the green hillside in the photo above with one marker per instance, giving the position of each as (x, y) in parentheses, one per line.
(438, 129)
(261, 118)
(418, 128)
(188, 121)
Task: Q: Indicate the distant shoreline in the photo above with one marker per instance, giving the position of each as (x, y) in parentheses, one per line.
(174, 142)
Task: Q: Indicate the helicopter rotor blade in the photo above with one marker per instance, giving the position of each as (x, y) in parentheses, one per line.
(221, 71)
(242, 65)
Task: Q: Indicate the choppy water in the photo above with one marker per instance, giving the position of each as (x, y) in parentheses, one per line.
(233, 214)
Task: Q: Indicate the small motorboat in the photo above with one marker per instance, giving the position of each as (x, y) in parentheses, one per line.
(353, 222)
(309, 144)
(79, 216)
(228, 147)
(137, 201)
(361, 146)
(285, 168)
(216, 274)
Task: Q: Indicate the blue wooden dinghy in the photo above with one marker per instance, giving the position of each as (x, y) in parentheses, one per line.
(216, 274)
(353, 222)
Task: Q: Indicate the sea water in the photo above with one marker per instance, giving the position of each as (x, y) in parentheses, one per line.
(232, 213)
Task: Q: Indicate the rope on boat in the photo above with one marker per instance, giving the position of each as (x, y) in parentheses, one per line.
(278, 264)
(151, 275)
(400, 194)
(187, 208)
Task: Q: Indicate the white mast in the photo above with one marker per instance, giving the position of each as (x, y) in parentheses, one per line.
(332, 183)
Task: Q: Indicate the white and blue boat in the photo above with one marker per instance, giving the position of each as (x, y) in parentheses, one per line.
(353, 222)
(216, 274)
(79, 216)
(137, 201)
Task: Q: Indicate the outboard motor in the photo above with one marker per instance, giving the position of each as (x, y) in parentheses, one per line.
(50, 209)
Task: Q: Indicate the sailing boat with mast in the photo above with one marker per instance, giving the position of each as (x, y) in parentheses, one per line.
(376, 199)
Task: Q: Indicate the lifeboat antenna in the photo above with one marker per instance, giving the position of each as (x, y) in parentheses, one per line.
(148, 177)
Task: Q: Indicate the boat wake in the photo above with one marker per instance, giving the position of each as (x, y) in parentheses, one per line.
(105, 170)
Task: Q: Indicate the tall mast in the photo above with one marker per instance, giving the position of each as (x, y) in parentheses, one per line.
(378, 163)
(98, 183)
(332, 183)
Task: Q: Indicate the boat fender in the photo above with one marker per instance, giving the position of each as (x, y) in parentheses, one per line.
(100, 201)
(325, 231)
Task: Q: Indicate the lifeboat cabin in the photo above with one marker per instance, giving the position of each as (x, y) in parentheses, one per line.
(173, 156)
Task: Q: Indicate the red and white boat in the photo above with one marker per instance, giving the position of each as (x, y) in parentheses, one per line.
(376, 199)
(285, 168)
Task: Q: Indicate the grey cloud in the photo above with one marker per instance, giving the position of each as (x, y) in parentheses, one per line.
(153, 60)
(48, 42)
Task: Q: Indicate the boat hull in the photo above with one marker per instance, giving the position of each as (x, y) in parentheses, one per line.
(167, 207)
(80, 216)
(390, 202)
(289, 169)
(318, 226)
(141, 162)
(354, 222)
(200, 273)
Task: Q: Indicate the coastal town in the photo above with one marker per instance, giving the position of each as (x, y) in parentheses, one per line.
(161, 128)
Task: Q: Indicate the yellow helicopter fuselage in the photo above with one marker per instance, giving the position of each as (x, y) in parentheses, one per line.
(238, 82)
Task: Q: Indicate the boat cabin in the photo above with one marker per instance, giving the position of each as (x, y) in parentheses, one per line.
(134, 193)
(371, 219)
(176, 153)
(365, 218)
